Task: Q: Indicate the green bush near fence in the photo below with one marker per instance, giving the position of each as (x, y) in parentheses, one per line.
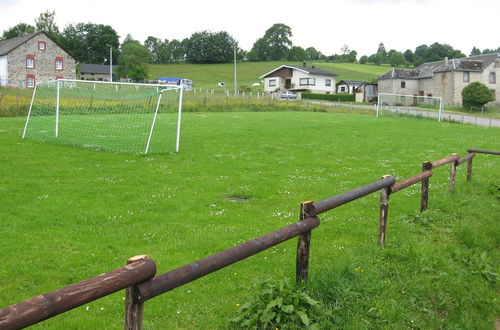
(329, 97)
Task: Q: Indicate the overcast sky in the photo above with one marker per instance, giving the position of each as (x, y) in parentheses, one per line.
(323, 24)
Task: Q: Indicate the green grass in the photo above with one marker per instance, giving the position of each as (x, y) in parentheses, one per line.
(208, 75)
(69, 213)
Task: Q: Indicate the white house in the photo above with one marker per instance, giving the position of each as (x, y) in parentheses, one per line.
(348, 86)
(299, 78)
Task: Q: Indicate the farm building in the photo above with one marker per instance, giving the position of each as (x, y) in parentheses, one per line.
(366, 92)
(98, 72)
(446, 78)
(32, 58)
(299, 78)
(348, 86)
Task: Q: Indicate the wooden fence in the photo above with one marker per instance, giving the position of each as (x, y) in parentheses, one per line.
(141, 284)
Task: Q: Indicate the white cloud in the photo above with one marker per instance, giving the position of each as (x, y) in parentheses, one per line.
(323, 24)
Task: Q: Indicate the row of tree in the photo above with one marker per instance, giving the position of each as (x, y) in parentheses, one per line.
(91, 43)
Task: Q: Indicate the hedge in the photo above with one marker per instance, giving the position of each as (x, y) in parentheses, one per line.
(329, 97)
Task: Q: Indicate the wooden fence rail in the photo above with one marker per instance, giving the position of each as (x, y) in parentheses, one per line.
(141, 284)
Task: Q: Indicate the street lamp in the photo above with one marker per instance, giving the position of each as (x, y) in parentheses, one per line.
(110, 62)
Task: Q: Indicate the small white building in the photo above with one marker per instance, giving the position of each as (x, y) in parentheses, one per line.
(299, 78)
(348, 86)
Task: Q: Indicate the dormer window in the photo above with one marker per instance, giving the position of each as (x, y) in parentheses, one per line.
(42, 45)
(30, 62)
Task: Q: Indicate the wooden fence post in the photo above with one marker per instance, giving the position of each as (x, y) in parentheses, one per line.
(384, 209)
(133, 309)
(469, 169)
(453, 173)
(424, 196)
(302, 261)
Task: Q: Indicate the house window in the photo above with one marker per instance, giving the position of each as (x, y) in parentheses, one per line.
(30, 81)
(30, 62)
(493, 78)
(59, 63)
(42, 45)
(403, 84)
(466, 77)
(342, 89)
(307, 82)
(272, 82)
(328, 82)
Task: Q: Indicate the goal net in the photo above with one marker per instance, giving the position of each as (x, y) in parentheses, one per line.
(119, 117)
(427, 106)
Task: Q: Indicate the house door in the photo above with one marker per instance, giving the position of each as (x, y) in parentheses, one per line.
(288, 83)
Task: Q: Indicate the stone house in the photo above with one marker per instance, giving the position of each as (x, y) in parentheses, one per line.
(99, 72)
(299, 78)
(446, 78)
(33, 58)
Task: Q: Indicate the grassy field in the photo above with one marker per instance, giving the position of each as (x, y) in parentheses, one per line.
(208, 75)
(69, 213)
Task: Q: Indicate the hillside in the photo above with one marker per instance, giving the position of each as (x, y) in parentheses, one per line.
(208, 75)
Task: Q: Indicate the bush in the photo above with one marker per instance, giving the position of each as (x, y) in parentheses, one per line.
(329, 97)
(282, 306)
(476, 95)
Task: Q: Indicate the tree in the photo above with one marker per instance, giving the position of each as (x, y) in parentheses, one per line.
(476, 95)
(490, 51)
(45, 22)
(133, 60)
(396, 58)
(375, 59)
(409, 56)
(210, 47)
(381, 51)
(90, 43)
(177, 50)
(312, 54)
(160, 50)
(17, 31)
(296, 54)
(475, 51)
(274, 45)
(363, 59)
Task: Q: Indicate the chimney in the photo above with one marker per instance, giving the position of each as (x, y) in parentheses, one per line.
(446, 61)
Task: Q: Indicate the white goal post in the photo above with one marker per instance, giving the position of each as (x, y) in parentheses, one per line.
(114, 116)
(431, 106)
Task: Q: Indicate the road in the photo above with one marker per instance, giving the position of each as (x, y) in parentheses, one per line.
(464, 119)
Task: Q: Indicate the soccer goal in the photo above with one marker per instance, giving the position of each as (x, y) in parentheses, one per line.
(427, 106)
(119, 117)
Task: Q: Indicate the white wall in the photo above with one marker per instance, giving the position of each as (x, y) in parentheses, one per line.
(4, 72)
(320, 82)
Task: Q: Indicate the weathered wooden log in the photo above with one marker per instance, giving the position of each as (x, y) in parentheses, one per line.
(424, 193)
(465, 158)
(410, 181)
(483, 151)
(188, 273)
(335, 201)
(303, 244)
(453, 172)
(134, 310)
(445, 161)
(384, 210)
(45, 306)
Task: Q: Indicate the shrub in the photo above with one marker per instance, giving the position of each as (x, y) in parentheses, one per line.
(282, 306)
(329, 97)
(476, 95)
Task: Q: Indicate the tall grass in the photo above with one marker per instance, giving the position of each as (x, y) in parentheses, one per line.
(70, 213)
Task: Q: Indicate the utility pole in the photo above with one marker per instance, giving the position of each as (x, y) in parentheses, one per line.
(110, 63)
(235, 80)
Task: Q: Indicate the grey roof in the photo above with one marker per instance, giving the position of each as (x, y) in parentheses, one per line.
(351, 82)
(95, 68)
(8, 45)
(312, 70)
(472, 64)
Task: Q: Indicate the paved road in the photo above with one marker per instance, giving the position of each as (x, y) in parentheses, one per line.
(464, 119)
